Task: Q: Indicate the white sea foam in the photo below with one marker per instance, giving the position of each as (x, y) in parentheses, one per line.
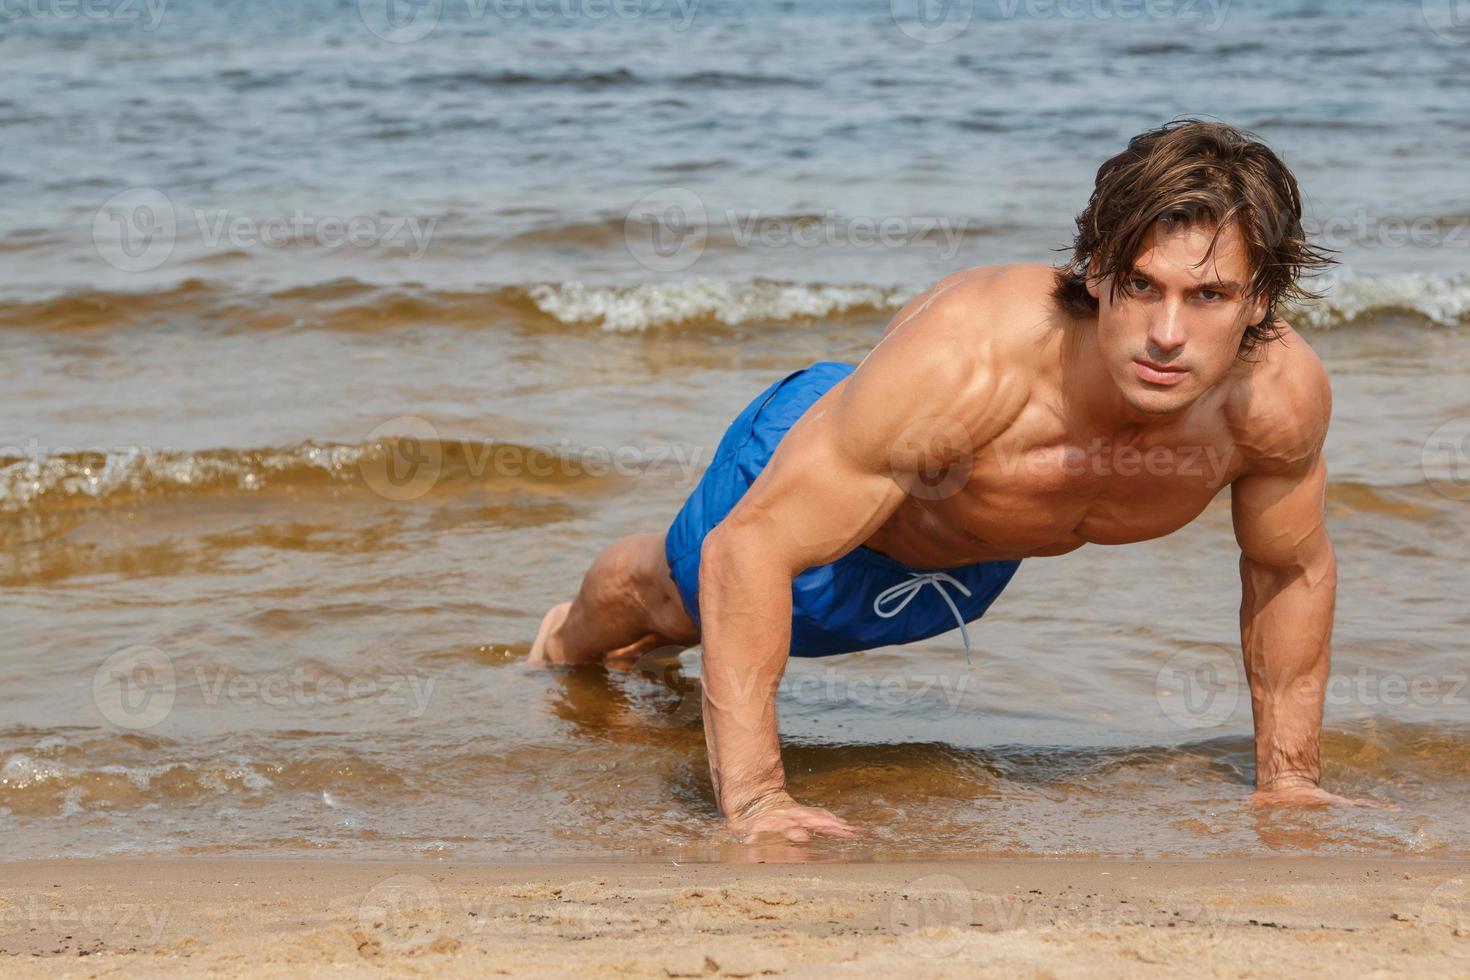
(640, 307)
(1349, 298)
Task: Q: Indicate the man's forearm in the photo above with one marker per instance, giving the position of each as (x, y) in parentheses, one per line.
(1286, 634)
(745, 608)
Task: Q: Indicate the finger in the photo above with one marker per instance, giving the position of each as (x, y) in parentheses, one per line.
(834, 826)
(835, 832)
(830, 818)
(797, 835)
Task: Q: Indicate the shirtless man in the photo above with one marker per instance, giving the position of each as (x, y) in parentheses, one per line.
(848, 508)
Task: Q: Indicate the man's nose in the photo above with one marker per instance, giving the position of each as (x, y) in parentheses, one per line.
(1166, 332)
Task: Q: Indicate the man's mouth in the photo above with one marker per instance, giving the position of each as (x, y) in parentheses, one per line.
(1158, 374)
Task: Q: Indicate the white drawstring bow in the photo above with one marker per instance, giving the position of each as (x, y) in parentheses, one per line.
(904, 592)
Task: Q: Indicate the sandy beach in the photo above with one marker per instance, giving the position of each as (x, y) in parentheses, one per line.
(1063, 918)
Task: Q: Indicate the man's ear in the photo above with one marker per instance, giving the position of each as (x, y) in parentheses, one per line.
(1259, 305)
(1094, 284)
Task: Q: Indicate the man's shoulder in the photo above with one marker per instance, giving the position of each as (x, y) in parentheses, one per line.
(968, 350)
(1279, 404)
(981, 312)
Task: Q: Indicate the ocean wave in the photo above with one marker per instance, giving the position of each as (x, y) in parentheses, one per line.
(350, 304)
(1349, 300)
(631, 308)
(396, 467)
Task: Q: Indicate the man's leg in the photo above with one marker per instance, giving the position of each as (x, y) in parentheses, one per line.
(627, 605)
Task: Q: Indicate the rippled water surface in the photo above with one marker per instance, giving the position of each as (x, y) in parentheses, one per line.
(278, 518)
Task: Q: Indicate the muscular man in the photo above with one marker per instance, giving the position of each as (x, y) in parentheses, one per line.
(850, 508)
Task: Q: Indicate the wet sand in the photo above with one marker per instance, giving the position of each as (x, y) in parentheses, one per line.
(1303, 916)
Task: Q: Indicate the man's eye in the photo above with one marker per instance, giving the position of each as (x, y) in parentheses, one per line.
(1138, 285)
(1210, 295)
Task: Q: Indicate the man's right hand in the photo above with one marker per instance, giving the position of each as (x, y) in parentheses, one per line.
(781, 815)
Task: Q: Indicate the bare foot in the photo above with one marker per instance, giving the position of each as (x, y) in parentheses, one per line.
(551, 623)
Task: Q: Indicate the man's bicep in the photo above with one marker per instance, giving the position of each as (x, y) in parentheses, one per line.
(1280, 518)
(816, 499)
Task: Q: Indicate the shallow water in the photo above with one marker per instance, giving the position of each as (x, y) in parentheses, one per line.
(277, 523)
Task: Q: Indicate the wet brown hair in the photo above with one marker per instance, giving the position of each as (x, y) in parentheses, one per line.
(1194, 172)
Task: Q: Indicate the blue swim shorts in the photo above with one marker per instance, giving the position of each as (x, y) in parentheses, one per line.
(863, 599)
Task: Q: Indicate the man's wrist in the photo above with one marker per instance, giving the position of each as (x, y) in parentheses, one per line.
(757, 803)
(1286, 781)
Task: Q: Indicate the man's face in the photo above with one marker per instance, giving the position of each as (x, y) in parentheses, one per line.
(1175, 327)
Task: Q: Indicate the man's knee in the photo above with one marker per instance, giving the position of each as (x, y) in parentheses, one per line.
(660, 595)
